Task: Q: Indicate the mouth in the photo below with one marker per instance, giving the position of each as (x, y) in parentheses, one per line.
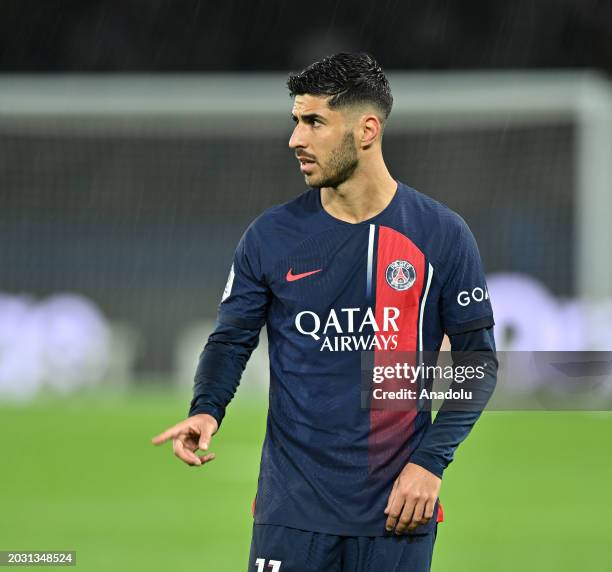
(306, 165)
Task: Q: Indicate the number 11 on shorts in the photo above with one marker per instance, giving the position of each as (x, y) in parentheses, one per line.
(273, 564)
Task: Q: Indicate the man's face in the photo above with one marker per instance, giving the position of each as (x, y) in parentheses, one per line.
(323, 142)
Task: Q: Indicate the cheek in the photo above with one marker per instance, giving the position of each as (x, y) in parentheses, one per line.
(324, 149)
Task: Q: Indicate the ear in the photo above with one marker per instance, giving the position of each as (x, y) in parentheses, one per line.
(370, 130)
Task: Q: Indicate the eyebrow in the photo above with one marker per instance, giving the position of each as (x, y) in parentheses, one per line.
(309, 117)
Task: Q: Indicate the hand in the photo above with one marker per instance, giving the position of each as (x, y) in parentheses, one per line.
(190, 435)
(412, 499)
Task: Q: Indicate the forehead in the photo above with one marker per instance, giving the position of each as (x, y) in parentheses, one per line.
(306, 104)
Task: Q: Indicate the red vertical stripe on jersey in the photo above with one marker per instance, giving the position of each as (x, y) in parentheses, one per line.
(393, 246)
(391, 420)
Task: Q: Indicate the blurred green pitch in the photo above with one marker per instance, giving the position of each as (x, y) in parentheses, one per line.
(528, 491)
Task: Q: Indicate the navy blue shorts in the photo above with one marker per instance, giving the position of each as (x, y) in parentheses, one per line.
(281, 549)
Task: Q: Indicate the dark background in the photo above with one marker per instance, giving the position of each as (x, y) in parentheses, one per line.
(203, 35)
(145, 226)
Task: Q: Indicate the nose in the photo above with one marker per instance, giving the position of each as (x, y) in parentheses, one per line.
(297, 138)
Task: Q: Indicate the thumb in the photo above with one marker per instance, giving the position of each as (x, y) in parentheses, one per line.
(205, 437)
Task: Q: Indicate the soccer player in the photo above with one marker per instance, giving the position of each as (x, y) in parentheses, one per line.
(359, 262)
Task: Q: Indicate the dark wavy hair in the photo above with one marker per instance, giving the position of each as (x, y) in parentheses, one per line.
(348, 78)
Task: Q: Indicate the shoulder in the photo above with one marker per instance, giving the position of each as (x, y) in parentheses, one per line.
(431, 215)
(287, 214)
(431, 211)
(282, 223)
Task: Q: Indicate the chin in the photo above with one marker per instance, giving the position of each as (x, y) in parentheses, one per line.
(311, 181)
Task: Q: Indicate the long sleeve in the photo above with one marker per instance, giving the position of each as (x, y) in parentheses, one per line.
(220, 368)
(241, 314)
(467, 317)
(454, 421)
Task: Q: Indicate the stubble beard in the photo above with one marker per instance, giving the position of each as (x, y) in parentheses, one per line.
(341, 164)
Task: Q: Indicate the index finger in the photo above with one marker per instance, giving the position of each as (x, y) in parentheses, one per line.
(395, 510)
(391, 497)
(171, 433)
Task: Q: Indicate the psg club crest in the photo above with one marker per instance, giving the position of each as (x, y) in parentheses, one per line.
(400, 275)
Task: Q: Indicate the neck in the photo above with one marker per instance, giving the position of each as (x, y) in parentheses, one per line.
(361, 197)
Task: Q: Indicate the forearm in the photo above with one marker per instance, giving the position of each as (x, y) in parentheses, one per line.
(454, 420)
(220, 368)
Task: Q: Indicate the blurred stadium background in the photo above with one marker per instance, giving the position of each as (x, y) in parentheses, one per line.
(124, 195)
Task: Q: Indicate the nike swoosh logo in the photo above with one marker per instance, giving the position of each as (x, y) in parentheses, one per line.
(293, 277)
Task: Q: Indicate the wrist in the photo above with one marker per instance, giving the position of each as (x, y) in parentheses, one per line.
(428, 463)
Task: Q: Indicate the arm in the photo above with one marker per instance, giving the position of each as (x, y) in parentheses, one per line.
(241, 314)
(454, 421)
(220, 369)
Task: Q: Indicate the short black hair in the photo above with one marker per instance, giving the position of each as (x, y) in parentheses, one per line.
(348, 79)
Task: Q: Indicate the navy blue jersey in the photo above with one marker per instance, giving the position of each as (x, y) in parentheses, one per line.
(327, 290)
